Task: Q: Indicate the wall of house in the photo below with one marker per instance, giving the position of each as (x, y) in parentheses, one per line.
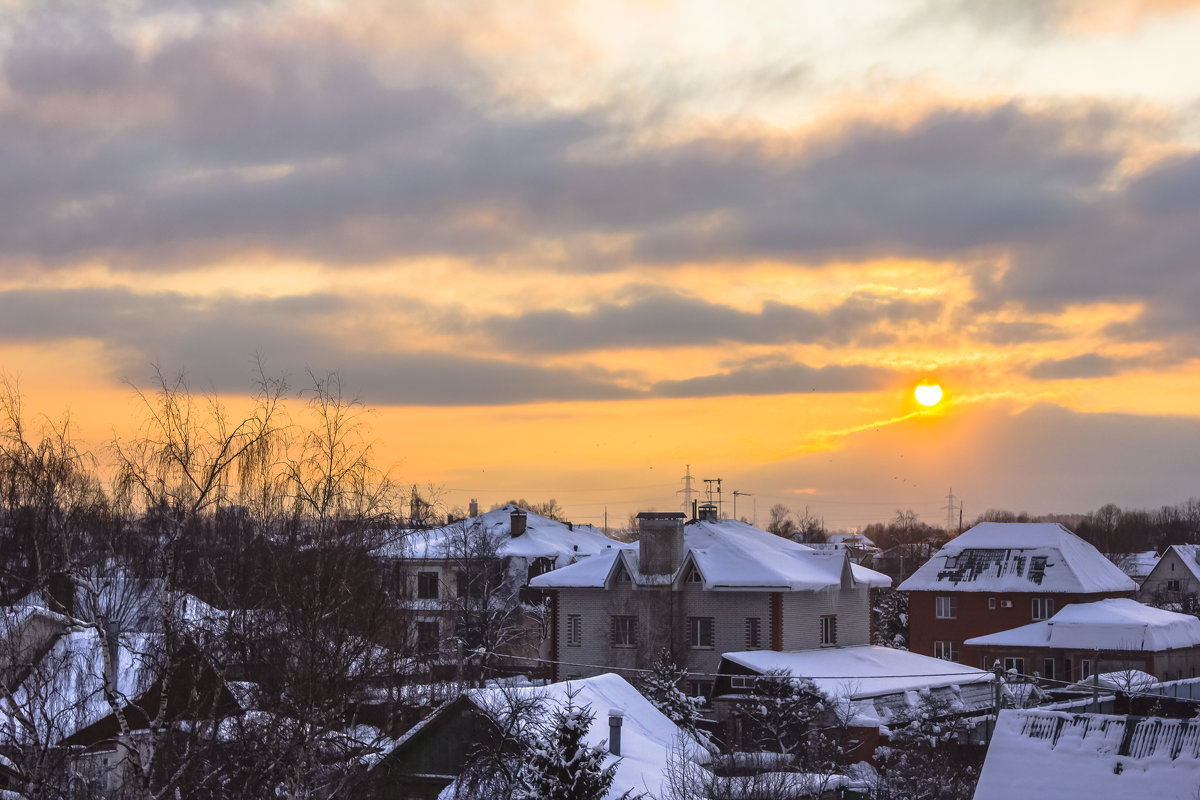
(1170, 567)
(802, 612)
(729, 611)
(974, 615)
(595, 607)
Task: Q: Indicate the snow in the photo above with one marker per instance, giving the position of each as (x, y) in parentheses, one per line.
(66, 688)
(999, 557)
(1111, 624)
(647, 737)
(1125, 680)
(1069, 756)
(730, 556)
(860, 672)
(1189, 554)
(543, 538)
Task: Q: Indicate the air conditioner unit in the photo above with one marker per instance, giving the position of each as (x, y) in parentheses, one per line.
(1006, 603)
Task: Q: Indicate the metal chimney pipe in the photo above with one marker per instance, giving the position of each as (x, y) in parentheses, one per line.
(615, 717)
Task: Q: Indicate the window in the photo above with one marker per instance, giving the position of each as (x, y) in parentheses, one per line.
(1173, 584)
(741, 682)
(991, 604)
(753, 633)
(574, 630)
(427, 637)
(947, 651)
(828, 630)
(1043, 607)
(699, 688)
(427, 585)
(624, 632)
(700, 632)
(1085, 668)
(1014, 665)
(1048, 668)
(945, 606)
(694, 576)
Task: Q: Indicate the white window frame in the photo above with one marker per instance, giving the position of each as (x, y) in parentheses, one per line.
(1043, 606)
(945, 606)
(828, 630)
(624, 631)
(574, 630)
(698, 627)
(1014, 662)
(742, 681)
(945, 650)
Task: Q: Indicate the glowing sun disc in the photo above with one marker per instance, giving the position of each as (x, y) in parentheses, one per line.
(928, 394)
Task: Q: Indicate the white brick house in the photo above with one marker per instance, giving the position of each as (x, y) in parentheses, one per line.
(701, 589)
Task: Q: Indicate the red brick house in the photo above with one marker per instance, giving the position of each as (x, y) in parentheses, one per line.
(1001, 575)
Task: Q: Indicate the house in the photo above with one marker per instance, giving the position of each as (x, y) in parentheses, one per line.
(860, 548)
(698, 590)
(1103, 636)
(1175, 578)
(468, 582)
(902, 560)
(1137, 565)
(1036, 753)
(1000, 575)
(433, 754)
(870, 687)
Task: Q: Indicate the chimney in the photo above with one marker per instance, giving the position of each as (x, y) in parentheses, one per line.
(518, 520)
(615, 717)
(660, 545)
(473, 508)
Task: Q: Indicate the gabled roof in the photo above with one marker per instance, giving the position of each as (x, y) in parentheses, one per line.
(1019, 557)
(543, 538)
(1115, 623)
(1090, 757)
(1189, 554)
(729, 556)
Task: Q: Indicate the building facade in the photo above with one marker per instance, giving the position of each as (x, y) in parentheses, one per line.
(998, 576)
(698, 590)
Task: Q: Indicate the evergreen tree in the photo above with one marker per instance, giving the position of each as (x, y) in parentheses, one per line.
(661, 687)
(561, 765)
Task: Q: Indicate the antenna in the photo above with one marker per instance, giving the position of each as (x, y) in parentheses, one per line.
(687, 491)
(736, 495)
(708, 492)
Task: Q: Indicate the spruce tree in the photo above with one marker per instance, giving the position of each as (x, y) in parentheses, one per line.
(661, 687)
(561, 765)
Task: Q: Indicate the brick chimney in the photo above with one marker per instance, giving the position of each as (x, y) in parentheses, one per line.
(473, 508)
(517, 521)
(660, 542)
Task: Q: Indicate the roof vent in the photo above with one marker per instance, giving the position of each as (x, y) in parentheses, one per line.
(707, 512)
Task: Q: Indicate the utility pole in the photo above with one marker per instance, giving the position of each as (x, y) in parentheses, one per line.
(708, 492)
(736, 495)
(687, 491)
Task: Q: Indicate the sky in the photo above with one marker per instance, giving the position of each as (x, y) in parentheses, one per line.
(572, 249)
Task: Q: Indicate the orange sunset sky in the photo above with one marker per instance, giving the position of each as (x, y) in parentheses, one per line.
(564, 249)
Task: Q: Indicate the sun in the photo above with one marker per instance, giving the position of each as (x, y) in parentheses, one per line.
(928, 394)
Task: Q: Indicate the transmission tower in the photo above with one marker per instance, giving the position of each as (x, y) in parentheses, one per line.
(687, 491)
(953, 511)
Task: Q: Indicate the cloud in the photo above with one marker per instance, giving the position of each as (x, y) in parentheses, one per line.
(216, 342)
(1088, 365)
(779, 378)
(669, 319)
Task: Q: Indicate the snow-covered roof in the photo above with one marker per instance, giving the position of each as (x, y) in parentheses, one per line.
(729, 555)
(1123, 680)
(1090, 757)
(1115, 623)
(1189, 554)
(543, 538)
(648, 738)
(1041, 557)
(863, 671)
(1136, 565)
(66, 687)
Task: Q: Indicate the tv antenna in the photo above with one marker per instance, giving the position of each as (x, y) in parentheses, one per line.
(708, 493)
(736, 495)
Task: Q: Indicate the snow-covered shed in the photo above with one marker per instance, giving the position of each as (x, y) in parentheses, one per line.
(870, 686)
(1107, 635)
(432, 755)
(700, 589)
(1090, 757)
